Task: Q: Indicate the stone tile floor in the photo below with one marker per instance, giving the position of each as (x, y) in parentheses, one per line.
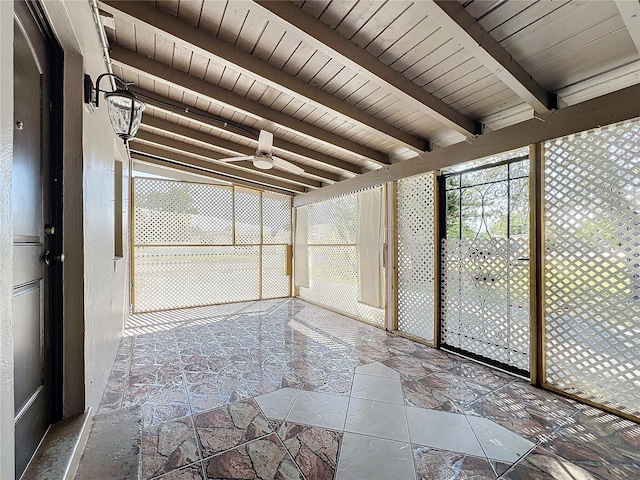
(282, 389)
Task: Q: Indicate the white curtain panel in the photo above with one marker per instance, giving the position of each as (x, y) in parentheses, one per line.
(371, 225)
(301, 248)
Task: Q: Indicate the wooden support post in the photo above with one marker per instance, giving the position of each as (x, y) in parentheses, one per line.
(391, 253)
(536, 265)
(132, 232)
(294, 291)
(233, 215)
(289, 263)
(437, 223)
(260, 248)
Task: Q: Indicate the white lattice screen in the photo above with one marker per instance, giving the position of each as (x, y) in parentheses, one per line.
(275, 279)
(485, 298)
(246, 209)
(416, 255)
(176, 213)
(276, 219)
(180, 277)
(592, 265)
(202, 244)
(333, 259)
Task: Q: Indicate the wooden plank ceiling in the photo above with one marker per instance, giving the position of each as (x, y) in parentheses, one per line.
(349, 86)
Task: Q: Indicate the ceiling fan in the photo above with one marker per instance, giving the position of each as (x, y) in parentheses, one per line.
(263, 159)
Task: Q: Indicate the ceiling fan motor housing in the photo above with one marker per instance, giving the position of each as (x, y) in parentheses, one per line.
(263, 161)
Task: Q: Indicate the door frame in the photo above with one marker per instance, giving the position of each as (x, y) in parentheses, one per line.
(56, 290)
(69, 150)
(441, 221)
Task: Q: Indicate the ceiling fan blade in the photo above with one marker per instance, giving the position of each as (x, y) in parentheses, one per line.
(284, 165)
(265, 141)
(236, 159)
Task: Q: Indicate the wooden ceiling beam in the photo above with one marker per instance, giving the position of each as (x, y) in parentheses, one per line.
(231, 149)
(203, 43)
(604, 110)
(245, 165)
(327, 40)
(201, 168)
(182, 81)
(470, 35)
(141, 145)
(200, 117)
(630, 13)
(144, 165)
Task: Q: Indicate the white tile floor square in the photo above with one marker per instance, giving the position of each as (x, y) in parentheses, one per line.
(379, 419)
(276, 405)
(370, 458)
(319, 409)
(377, 369)
(497, 442)
(382, 389)
(442, 430)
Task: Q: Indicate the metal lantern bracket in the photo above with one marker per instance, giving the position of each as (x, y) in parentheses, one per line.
(91, 92)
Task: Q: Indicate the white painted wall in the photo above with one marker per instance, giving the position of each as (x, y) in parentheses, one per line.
(104, 278)
(6, 233)
(88, 183)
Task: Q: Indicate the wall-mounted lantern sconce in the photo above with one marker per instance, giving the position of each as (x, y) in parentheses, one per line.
(124, 108)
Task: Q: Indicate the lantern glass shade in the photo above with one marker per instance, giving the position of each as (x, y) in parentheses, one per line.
(125, 113)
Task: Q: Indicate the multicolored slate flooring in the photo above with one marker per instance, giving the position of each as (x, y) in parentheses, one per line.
(283, 390)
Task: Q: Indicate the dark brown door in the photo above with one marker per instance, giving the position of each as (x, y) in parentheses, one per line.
(31, 204)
